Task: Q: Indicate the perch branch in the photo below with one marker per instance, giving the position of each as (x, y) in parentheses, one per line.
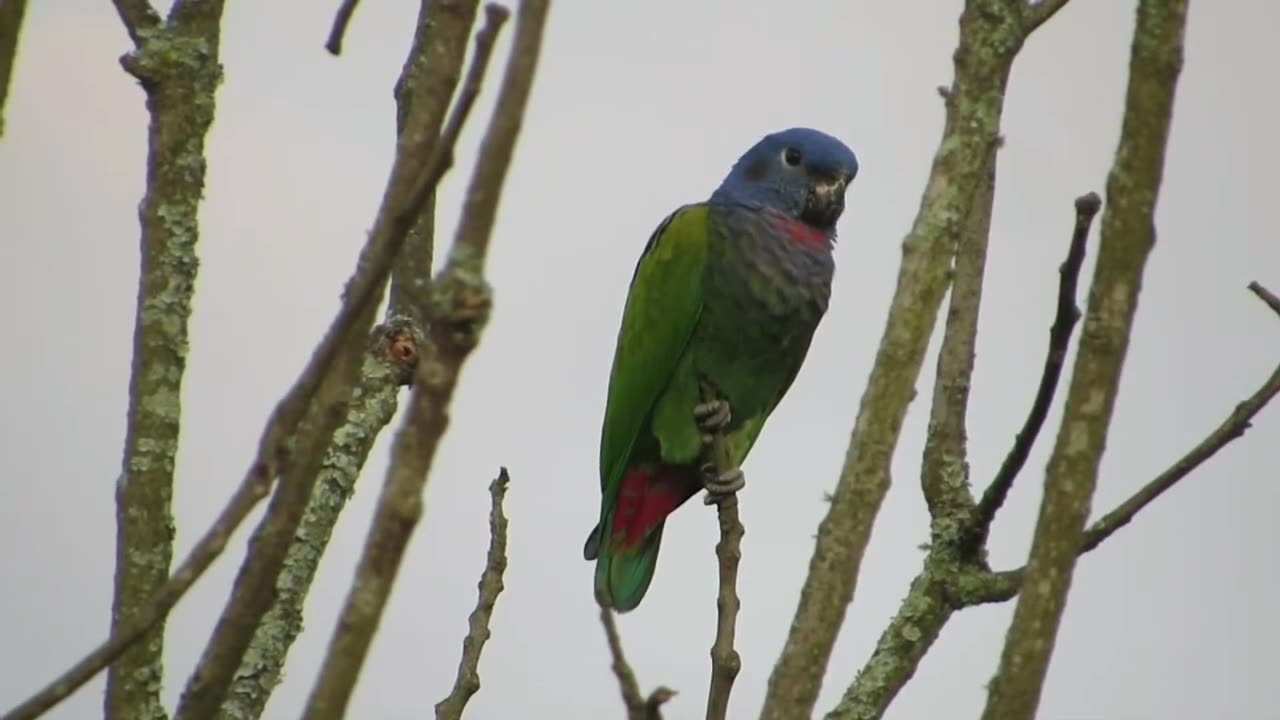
(725, 661)
(338, 30)
(638, 706)
(11, 14)
(1128, 233)
(458, 312)
(990, 35)
(387, 365)
(467, 681)
(206, 550)
(180, 80)
(1064, 323)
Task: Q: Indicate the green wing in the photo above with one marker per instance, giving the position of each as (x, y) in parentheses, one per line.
(662, 309)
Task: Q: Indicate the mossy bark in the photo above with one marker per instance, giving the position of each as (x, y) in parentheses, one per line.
(177, 65)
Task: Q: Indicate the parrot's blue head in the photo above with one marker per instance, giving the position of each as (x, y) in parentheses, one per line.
(800, 172)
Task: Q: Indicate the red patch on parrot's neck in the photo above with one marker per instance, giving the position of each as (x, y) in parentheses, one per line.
(801, 233)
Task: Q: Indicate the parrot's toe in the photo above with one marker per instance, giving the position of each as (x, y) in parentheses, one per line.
(712, 416)
(721, 485)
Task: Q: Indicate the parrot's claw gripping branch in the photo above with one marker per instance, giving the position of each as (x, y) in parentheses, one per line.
(722, 484)
(712, 416)
(725, 661)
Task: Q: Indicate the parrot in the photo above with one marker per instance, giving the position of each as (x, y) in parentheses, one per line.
(727, 293)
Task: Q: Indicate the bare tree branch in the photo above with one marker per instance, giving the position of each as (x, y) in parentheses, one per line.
(627, 682)
(944, 477)
(459, 310)
(638, 706)
(990, 36)
(426, 84)
(206, 550)
(944, 474)
(725, 661)
(1128, 234)
(180, 82)
(1064, 322)
(468, 680)
(139, 19)
(420, 163)
(901, 646)
(339, 29)
(427, 81)
(1004, 585)
(1039, 12)
(1265, 296)
(388, 364)
(11, 14)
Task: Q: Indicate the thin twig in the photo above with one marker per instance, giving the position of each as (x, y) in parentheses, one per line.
(1265, 296)
(725, 661)
(467, 681)
(1064, 323)
(627, 682)
(638, 707)
(339, 29)
(461, 303)
(206, 550)
(1001, 586)
(1127, 237)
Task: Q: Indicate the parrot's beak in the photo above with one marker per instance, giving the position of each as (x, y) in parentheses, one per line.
(825, 203)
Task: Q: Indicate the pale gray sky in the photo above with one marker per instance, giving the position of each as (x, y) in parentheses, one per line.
(640, 107)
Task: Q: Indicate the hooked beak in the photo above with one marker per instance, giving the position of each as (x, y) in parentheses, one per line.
(825, 201)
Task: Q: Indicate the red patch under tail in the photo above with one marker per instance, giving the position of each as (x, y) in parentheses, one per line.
(649, 493)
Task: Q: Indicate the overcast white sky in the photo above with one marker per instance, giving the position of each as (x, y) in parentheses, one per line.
(640, 107)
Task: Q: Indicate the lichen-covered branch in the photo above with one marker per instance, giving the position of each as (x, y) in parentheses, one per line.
(1128, 234)
(252, 489)
(725, 661)
(177, 65)
(460, 303)
(11, 14)
(901, 646)
(467, 682)
(1064, 321)
(944, 473)
(990, 36)
(388, 365)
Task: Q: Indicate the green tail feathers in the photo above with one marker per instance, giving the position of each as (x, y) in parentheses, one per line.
(623, 574)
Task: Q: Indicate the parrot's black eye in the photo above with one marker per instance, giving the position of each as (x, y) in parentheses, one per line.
(791, 156)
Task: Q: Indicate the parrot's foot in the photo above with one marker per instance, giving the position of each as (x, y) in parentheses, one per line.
(721, 485)
(712, 417)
